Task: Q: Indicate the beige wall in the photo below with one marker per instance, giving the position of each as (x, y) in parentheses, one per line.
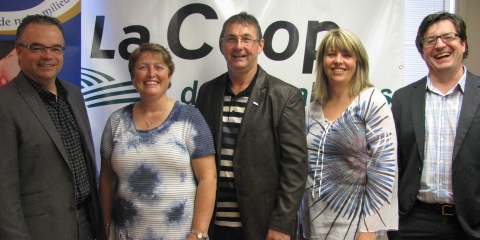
(470, 11)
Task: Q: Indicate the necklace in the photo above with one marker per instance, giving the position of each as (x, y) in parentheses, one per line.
(155, 120)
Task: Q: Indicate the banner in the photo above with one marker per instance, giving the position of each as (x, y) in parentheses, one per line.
(11, 14)
(112, 29)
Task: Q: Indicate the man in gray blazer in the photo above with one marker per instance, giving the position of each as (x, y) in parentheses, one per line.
(438, 128)
(258, 125)
(48, 184)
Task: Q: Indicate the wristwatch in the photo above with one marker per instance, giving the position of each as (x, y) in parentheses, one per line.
(199, 235)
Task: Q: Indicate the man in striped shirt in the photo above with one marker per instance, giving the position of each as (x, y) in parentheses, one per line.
(258, 124)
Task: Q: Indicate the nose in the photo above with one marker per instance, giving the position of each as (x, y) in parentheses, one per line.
(238, 43)
(338, 58)
(151, 71)
(439, 43)
(47, 53)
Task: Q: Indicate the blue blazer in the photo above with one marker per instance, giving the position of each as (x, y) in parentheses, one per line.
(408, 107)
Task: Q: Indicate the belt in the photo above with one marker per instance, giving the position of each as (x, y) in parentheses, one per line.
(444, 209)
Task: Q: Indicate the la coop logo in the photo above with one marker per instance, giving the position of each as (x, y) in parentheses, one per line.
(13, 11)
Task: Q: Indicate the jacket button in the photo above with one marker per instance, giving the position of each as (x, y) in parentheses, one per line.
(419, 170)
(71, 208)
(412, 198)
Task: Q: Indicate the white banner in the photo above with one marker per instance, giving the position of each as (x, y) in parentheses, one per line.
(112, 29)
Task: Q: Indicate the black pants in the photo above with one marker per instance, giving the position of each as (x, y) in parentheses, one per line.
(230, 233)
(83, 224)
(424, 223)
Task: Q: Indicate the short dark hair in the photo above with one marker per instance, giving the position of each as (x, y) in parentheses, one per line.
(245, 19)
(37, 18)
(157, 50)
(429, 20)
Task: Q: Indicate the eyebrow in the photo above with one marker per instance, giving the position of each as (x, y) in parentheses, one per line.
(243, 35)
(39, 44)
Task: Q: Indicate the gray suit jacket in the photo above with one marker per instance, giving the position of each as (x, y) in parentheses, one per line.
(270, 158)
(408, 107)
(37, 190)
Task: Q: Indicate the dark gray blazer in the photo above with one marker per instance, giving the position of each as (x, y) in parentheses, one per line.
(270, 159)
(408, 107)
(37, 190)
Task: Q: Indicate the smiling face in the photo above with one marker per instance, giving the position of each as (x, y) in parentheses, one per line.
(151, 76)
(339, 67)
(239, 57)
(443, 57)
(42, 67)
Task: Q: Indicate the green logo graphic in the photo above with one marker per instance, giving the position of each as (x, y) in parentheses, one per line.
(98, 89)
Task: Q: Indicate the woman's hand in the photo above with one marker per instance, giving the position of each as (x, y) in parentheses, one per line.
(206, 174)
(366, 236)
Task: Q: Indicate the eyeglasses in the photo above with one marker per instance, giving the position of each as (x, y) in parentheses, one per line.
(57, 50)
(231, 40)
(446, 38)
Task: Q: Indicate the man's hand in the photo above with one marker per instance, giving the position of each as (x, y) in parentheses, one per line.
(276, 235)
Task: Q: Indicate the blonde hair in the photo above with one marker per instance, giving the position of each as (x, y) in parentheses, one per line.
(345, 41)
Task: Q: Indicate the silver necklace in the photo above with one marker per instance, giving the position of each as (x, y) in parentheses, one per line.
(155, 120)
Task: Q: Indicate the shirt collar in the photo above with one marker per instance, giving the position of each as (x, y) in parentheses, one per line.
(246, 91)
(460, 83)
(44, 93)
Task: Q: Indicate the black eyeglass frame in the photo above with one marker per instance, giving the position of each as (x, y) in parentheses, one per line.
(35, 48)
(434, 39)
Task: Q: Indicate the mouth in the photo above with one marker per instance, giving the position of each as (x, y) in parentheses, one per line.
(442, 55)
(150, 83)
(46, 65)
(239, 56)
(338, 70)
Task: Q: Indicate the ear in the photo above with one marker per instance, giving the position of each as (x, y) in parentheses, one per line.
(260, 45)
(17, 49)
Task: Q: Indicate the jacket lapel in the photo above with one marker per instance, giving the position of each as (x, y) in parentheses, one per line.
(218, 95)
(470, 104)
(82, 123)
(418, 115)
(36, 106)
(255, 101)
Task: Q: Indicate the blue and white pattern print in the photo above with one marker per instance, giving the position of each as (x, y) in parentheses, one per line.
(352, 181)
(155, 189)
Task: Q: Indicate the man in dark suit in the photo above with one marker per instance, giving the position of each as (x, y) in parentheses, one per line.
(438, 129)
(258, 124)
(48, 184)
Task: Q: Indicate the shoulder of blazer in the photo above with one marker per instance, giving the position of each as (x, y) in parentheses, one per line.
(70, 86)
(18, 88)
(214, 82)
(265, 80)
(407, 90)
(473, 78)
(471, 89)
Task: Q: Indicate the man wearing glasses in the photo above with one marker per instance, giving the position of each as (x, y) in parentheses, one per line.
(47, 165)
(438, 129)
(258, 125)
